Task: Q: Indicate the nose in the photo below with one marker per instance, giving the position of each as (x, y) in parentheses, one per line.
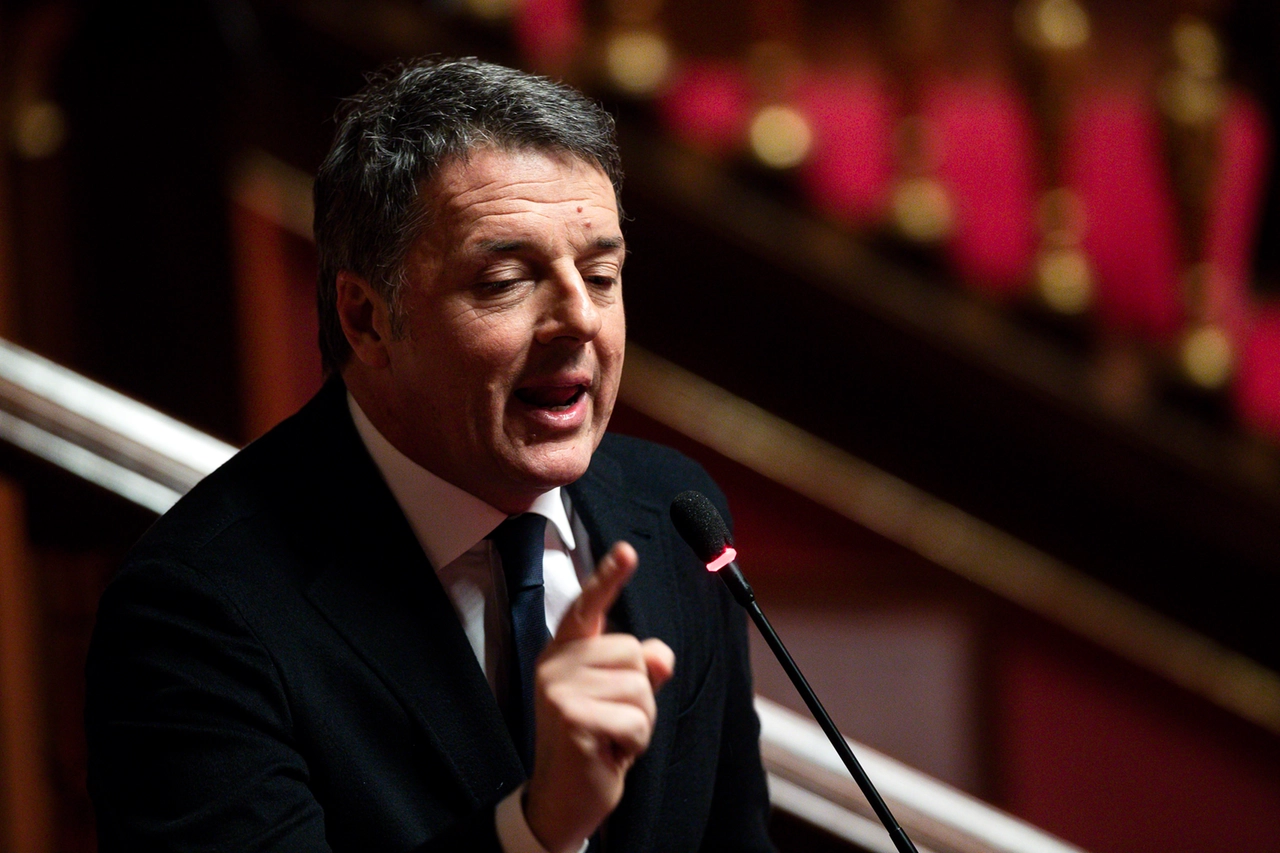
(572, 313)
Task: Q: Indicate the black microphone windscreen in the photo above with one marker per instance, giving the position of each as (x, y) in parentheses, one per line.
(699, 523)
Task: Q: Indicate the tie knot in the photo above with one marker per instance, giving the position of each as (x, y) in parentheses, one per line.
(519, 541)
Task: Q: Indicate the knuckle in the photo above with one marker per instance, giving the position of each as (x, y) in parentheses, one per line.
(628, 649)
(560, 698)
(638, 687)
(637, 730)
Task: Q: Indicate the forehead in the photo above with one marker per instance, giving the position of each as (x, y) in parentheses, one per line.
(494, 188)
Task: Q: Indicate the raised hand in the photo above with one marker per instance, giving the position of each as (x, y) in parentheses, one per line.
(594, 711)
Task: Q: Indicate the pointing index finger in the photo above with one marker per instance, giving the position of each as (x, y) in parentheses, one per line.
(585, 617)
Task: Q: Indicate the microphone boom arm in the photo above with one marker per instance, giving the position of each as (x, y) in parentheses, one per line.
(743, 594)
(701, 526)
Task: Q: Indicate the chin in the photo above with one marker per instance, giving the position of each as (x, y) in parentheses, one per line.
(553, 476)
(549, 468)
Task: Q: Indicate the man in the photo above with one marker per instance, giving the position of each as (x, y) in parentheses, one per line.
(328, 645)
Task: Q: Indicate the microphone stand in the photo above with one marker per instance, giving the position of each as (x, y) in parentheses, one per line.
(745, 596)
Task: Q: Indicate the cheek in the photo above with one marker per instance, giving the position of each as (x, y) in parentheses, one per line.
(612, 340)
(484, 344)
(485, 370)
(611, 349)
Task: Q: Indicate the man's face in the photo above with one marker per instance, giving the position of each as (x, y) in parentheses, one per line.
(508, 366)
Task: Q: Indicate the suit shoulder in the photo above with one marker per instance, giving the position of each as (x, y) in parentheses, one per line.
(660, 471)
(226, 496)
(639, 456)
(258, 480)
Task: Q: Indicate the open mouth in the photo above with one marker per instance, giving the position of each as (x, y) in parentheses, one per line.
(557, 398)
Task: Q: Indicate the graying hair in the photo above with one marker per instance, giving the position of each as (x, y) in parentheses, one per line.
(394, 137)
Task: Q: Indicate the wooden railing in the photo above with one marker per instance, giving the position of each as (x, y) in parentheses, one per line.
(808, 780)
(151, 459)
(101, 435)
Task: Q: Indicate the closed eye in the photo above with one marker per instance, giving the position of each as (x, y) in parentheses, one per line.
(500, 284)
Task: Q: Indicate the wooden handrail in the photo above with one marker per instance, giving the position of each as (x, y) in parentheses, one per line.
(807, 779)
(99, 434)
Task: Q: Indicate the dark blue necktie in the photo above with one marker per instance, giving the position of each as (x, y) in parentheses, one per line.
(519, 541)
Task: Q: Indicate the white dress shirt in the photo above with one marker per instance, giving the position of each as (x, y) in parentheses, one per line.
(451, 525)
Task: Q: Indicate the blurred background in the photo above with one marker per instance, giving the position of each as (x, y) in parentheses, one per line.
(972, 307)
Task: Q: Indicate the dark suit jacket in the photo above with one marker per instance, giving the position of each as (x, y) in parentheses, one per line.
(276, 667)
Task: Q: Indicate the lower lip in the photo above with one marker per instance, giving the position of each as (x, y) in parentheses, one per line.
(568, 418)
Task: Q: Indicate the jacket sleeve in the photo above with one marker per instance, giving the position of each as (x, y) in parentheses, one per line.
(190, 737)
(188, 730)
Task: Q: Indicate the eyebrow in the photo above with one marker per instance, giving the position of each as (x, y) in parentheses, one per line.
(502, 247)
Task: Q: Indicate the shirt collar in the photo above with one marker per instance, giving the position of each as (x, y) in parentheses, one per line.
(446, 520)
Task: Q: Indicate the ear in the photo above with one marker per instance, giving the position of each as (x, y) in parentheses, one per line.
(365, 318)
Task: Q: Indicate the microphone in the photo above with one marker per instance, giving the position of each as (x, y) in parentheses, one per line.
(700, 525)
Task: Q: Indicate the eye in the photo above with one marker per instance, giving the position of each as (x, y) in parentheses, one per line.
(501, 285)
(601, 276)
(508, 279)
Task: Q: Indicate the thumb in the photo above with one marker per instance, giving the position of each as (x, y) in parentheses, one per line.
(585, 617)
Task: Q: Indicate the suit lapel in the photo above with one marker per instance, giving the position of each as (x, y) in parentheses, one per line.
(646, 608)
(610, 514)
(380, 593)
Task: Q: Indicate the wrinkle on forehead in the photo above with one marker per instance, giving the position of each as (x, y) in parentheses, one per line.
(473, 199)
(498, 176)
